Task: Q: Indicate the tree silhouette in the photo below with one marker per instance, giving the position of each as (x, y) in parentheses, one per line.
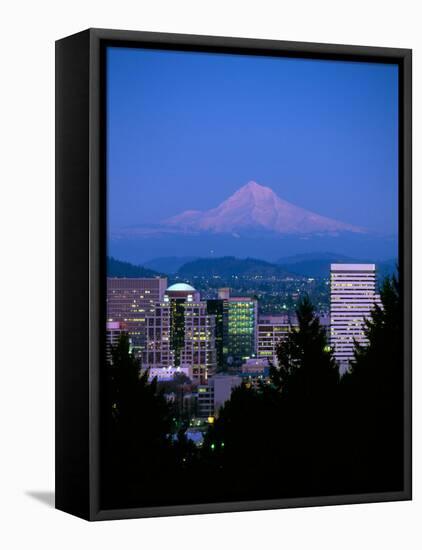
(137, 427)
(372, 397)
(287, 429)
(243, 447)
(308, 379)
(309, 432)
(306, 368)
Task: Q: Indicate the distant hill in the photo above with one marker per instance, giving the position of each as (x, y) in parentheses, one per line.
(168, 264)
(314, 256)
(229, 266)
(318, 265)
(117, 268)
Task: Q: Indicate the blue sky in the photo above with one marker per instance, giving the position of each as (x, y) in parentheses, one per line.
(186, 130)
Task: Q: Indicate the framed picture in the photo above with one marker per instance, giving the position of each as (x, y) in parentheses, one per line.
(233, 274)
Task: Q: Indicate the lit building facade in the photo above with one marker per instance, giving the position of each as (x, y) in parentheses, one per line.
(238, 327)
(180, 332)
(219, 308)
(213, 395)
(113, 332)
(242, 324)
(255, 372)
(271, 330)
(130, 300)
(166, 374)
(353, 296)
(157, 352)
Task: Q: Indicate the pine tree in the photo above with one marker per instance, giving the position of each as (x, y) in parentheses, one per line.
(307, 378)
(306, 368)
(280, 438)
(372, 397)
(137, 426)
(377, 366)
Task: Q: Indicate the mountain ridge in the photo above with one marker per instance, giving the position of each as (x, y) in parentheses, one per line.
(255, 206)
(229, 266)
(124, 269)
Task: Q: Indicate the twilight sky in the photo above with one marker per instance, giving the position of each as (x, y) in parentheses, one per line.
(186, 130)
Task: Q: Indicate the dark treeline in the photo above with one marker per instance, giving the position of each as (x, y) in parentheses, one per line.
(118, 268)
(309, 432)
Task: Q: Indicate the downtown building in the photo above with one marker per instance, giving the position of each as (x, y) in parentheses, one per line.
(130, 300)
(213, 395)
(239, 334)
(219, 309)
(271, 331)
(113, 332)
(181, 333)
(352, 297)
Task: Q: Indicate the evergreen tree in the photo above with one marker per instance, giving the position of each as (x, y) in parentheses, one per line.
(279, 439)
(137, 426)
(308, 379)
(306, 369)
(372, 397)
(243, 447)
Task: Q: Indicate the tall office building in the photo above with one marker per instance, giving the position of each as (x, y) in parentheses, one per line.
(157, 352)
(242, 329)
(130, 300)
(219, 308)
(353, 296)
(272, 329)
(180, 332)
(236, 328)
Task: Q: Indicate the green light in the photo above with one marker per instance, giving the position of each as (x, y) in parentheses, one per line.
(222, 443)
(212, 446)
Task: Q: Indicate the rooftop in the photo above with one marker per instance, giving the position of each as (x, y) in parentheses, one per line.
(180, 287)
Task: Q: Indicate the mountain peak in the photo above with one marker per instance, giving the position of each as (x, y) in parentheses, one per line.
(254, 206)
(254, 187)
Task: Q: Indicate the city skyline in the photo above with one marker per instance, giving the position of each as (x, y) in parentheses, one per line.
(175, 330)
(252, 294)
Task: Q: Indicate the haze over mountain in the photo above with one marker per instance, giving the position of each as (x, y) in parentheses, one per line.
(253, 222)
(255, 206)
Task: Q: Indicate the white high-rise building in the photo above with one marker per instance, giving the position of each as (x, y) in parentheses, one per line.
(353, 296)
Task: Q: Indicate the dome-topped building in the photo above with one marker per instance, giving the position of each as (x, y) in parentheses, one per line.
(182, 291)
(180, 287)
(180, 332)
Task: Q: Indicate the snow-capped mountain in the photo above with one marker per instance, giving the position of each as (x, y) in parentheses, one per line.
(256, 207)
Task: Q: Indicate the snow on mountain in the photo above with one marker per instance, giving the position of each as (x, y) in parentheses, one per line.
(256, 207)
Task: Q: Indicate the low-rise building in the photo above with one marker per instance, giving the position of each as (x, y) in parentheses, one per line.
(166, 374)
(213, 395)
(255, 372)
(113, 332)
(272, 329)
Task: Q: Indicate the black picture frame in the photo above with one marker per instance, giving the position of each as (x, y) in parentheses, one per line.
(80, 255)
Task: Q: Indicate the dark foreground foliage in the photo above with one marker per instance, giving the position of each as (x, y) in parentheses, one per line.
(309, 432)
